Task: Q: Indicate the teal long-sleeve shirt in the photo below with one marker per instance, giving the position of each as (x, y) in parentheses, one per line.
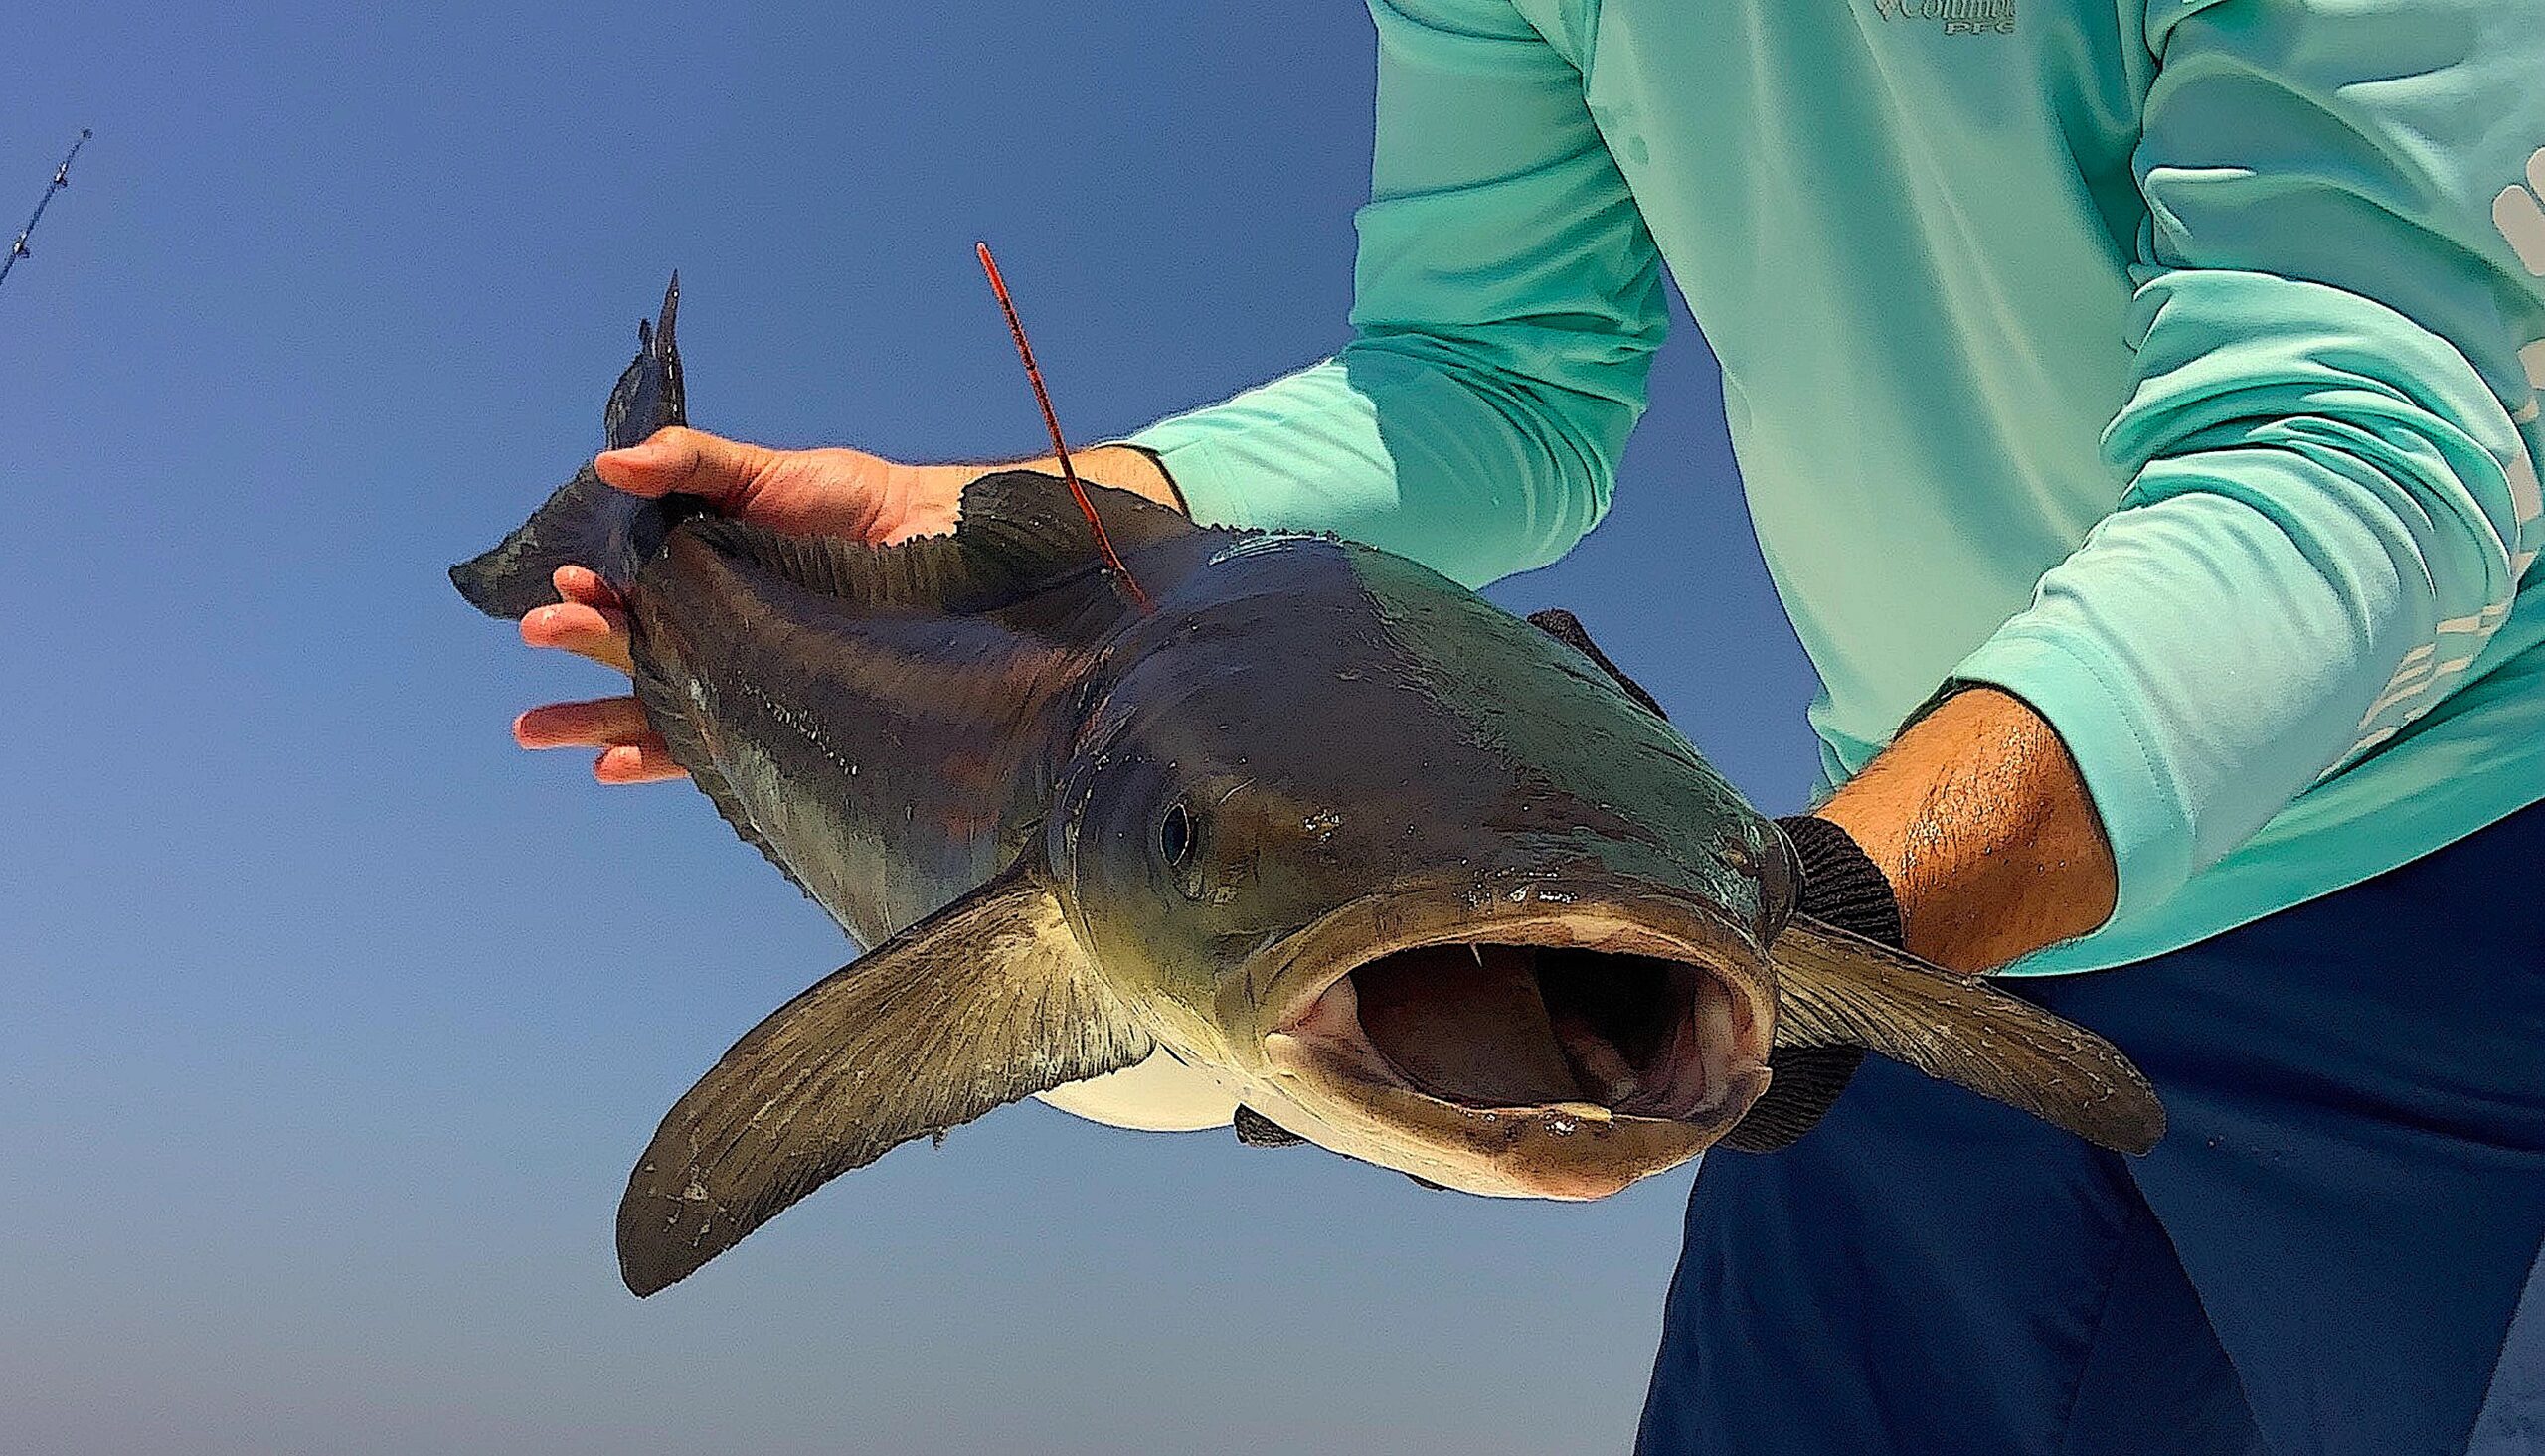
(2170, 363)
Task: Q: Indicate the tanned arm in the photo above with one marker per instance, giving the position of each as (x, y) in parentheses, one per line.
(1980, 820)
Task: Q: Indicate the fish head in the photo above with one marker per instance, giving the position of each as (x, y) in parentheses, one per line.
(1415, 881)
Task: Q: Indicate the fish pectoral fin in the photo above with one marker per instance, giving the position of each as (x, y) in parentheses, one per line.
(1567, 628)
(987, 1000)
(1834, 989)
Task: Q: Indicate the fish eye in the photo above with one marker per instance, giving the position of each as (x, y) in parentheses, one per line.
(1175, 834)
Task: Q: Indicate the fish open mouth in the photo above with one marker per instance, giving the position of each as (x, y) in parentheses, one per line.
(1542, 1040)
(1500, 1026)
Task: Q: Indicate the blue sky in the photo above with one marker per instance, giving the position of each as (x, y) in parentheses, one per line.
(330, 1022)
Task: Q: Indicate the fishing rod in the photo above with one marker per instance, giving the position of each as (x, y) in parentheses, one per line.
(60, 180)
(1115, 570)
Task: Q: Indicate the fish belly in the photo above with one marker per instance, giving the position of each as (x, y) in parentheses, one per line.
(1160, 1094)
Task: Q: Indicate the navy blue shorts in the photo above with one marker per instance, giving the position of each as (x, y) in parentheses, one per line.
(2323, 1255)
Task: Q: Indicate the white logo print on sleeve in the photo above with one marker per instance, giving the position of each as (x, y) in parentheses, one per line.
(2518, 211)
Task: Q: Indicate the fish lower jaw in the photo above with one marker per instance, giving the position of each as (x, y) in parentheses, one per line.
(1574, 1151)
(1345, 1091)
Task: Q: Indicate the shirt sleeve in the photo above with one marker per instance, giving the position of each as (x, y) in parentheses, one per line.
(2330, 438)
(1506, 305)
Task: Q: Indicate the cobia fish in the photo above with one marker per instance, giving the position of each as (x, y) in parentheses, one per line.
(1302, 835)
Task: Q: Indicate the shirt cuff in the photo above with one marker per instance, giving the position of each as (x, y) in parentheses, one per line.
(2144, 817)
(1187, 458)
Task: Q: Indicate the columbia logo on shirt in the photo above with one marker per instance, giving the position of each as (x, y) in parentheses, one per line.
(1953, 17)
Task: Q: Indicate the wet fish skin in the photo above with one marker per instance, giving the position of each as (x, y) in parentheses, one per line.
(1149, 864)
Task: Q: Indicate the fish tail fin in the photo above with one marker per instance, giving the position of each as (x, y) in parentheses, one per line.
(586, 523)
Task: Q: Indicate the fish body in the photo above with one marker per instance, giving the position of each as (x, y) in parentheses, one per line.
(1301, 834)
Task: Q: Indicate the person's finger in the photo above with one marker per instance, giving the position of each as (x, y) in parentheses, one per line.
(637, 764)
(603, 723)
(584, 584)
(597, 632)
(691, 461)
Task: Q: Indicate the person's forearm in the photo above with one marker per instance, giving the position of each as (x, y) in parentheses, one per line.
(1978, 818)
(1124, 467)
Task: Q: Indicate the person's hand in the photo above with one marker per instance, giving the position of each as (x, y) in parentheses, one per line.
(829, 491)
(826, 492)
(591, 623)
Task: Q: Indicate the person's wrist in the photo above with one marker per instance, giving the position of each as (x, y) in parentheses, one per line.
(1982, 820)
(1840, 887)
(922, 482)
(1131, 468)
(1122, 467)
(926, 499)
(1841, 884)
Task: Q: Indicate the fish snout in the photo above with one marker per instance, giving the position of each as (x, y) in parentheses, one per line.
(1553, 1042)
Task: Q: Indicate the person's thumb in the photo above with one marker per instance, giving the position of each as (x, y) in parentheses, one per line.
(690, 461)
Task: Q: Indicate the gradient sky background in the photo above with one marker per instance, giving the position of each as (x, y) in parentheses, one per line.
(330, 1022)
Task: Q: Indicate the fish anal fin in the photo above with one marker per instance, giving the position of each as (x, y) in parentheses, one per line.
(986, 1002)
(1567, 628)
(1838, 988)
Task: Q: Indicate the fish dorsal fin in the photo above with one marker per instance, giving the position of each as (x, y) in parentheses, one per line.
(1567, 628)
(987, 1000)
(1834, 989)
(1028, 521)
(1020, 535)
